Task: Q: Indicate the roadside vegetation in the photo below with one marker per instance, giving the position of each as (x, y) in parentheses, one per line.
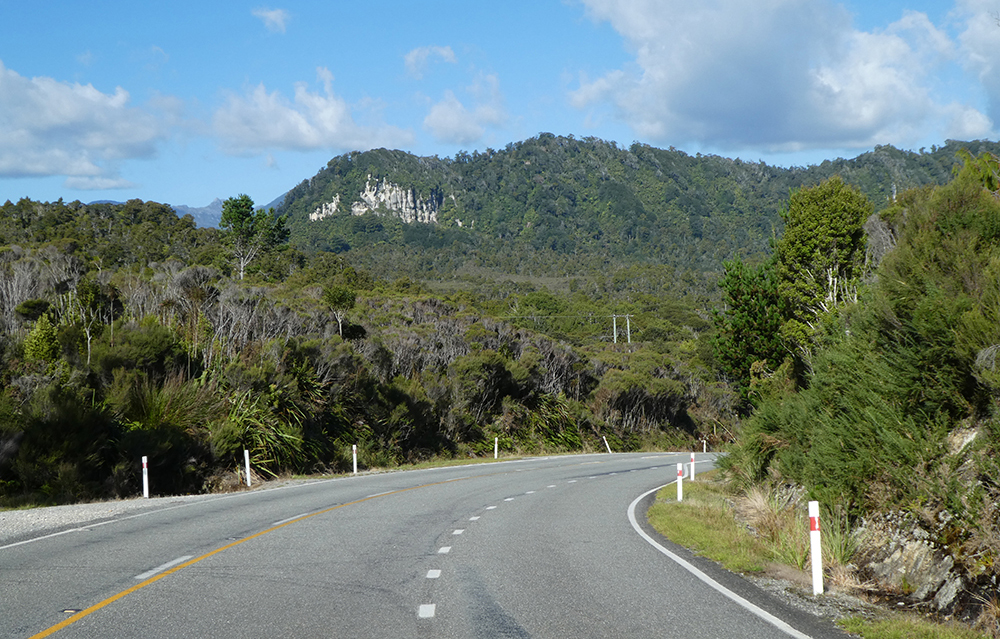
(766, 533)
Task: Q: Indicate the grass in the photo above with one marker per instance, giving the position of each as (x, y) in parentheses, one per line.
(907, 627)
(706, 522)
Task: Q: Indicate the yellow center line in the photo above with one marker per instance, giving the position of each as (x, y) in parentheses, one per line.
(128, 591)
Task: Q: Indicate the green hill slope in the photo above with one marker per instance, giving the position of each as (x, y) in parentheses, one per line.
(564, 207)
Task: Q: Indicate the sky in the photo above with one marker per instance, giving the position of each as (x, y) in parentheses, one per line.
(183, 102)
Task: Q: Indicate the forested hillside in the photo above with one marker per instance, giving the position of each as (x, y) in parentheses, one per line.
(557, 207)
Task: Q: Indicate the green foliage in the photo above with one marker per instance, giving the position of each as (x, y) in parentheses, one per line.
(42, 343)
(250, 233)
(820, 257)
(894, 374)
(748, 332)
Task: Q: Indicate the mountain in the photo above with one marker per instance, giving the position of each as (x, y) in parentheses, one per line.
(204, 216)
(560, 207)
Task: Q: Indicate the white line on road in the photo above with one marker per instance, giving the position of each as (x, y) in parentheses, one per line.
(476, 518)
(444, 550)
(572, 481)
(551, 486)
(426, 611)
(170, 564)
(285, 521)
(433, 574)
(458, 531)
(491, 508)
(530, 492)
(509, 499)
(760, 612)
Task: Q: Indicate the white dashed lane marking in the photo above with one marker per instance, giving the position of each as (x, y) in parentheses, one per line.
(458, 531)
(476, 518)
(426, 611)
(433, 574)
(509, 499)
(491, 508)
(530, 492)
(170, 564)
(444, 550)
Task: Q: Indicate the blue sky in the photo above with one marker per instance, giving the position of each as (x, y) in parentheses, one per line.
(182, 102)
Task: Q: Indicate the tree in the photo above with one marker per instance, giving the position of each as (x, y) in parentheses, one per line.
(248, 232)
(820, 257)
(42, 343)
(749, 327)
(340, 299)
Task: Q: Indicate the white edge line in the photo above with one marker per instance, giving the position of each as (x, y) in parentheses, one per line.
(155, 571)
(760, 612)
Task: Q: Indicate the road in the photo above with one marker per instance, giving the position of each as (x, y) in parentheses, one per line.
(530, 548)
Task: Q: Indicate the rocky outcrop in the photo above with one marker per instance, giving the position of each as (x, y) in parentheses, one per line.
(385, 198)
(325, 209)
(906, 561)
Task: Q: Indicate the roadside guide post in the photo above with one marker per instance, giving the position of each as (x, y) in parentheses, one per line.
(246, 462)
(815, 549)
(680, 481)
(145, 477)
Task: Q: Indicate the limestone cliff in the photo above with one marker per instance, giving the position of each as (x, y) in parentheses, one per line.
(385, 198)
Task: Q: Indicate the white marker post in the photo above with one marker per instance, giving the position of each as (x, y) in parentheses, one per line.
(814, 548)
(680, 481)
(704, 446)
(692, 466)
(496, 448)
(145, 477)
(246, 462)
(354, 450)
(606, 443)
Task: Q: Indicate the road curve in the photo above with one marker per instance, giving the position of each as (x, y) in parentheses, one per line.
(540, 547)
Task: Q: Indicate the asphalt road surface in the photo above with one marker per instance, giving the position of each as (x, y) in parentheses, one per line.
(547, 547)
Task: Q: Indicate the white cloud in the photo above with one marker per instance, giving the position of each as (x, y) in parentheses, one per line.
(782, 75)
(416, 60)
(274, 19)
(48, 127)
(261, 121)
(980, 41)
(450, 121)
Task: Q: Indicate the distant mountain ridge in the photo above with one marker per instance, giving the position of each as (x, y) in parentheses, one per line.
(556, 206)
(204, 216)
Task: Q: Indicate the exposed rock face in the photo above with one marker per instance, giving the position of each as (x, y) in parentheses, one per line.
(400, 202)
(325, 209)
(906, 561)
(386, 198)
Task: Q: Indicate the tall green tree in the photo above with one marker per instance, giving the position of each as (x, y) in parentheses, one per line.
(820, 256)
(749, 326)
(250, 232)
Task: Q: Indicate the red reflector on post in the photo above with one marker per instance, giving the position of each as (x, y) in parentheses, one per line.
(813, 524)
